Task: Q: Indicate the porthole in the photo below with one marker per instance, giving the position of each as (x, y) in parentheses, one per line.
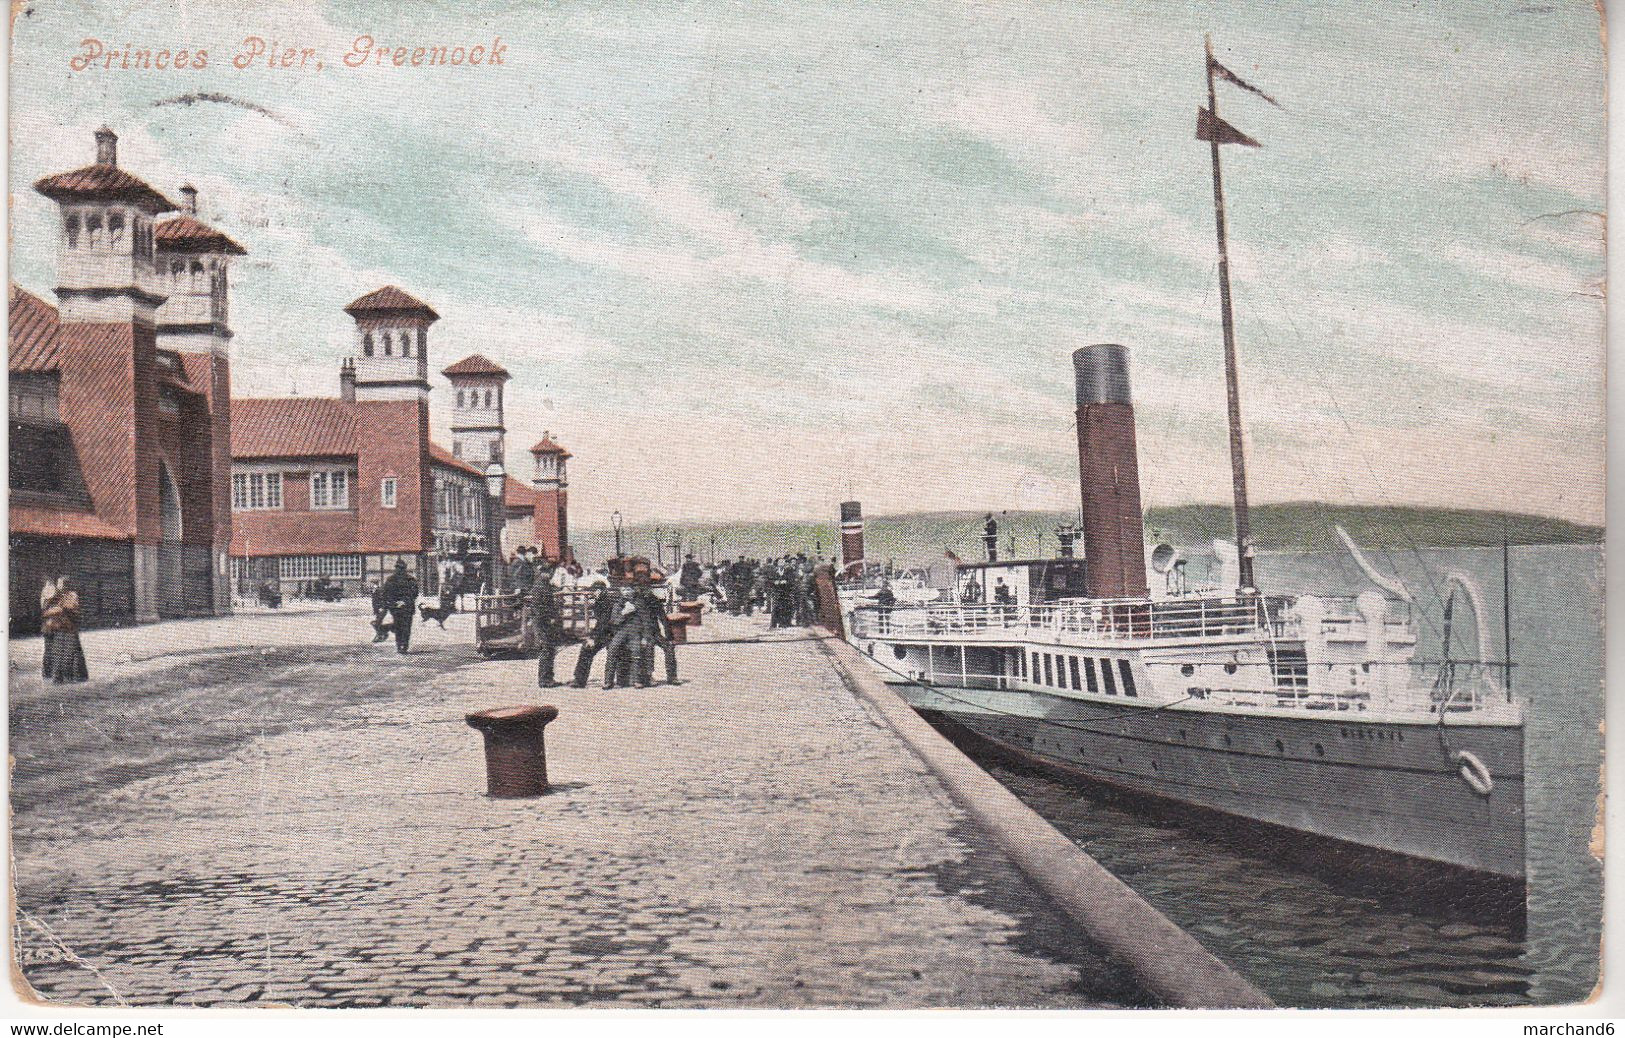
(1229, 668)
(1154, 766)
(1279, 746)
(1320, 751)
(899, 652)
(1227, 740)
(1182, 736)
(1187, 670)
(1365, 668)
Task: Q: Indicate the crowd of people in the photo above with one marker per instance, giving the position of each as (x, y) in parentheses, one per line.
(785, 587)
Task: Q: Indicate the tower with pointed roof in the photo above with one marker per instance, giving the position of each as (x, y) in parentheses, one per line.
(549, 473)
(391, 358)
(192, 261)
(145, 415)
(478, 433)
(106, 245)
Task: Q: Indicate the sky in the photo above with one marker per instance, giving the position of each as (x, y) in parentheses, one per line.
(748, 260)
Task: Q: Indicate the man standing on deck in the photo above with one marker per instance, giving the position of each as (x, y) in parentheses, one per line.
(885, 599)
(990, 537)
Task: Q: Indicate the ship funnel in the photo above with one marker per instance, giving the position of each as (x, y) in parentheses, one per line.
(1109, 474)
(851, 534)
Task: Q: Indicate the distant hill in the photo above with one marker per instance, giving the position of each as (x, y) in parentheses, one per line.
(924, 536)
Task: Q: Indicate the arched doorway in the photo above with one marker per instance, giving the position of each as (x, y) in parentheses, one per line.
(171, 578)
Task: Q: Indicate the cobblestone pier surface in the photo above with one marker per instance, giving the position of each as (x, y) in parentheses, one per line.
(258, 810)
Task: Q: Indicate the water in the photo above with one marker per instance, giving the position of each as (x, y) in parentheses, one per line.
(1317, 940)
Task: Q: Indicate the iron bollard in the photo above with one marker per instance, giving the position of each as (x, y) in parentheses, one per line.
(678, 622)
(515, 755)
(692, 610)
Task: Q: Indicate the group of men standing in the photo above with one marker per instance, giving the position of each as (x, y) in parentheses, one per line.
(786, 587)
(628, 624)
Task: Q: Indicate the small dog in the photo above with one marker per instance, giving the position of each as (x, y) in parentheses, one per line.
(437, 613)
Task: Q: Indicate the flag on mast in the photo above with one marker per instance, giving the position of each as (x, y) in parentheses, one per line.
(1227, 75)
(1211, 127)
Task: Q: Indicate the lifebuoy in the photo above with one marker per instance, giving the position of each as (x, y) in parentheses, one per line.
(1473, 772)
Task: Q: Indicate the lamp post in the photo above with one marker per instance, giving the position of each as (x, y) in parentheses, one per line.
(495, 477)
(615, 521)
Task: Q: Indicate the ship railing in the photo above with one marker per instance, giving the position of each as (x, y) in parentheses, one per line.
(1111, 619)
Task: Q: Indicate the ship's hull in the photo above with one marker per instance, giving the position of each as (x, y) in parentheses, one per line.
(1389, 787)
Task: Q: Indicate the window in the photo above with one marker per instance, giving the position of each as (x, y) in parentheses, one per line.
(70, 223)
(115, 228)
(1089, 674)
(487, 398)
(1106, 677)
(1049, 669)
(389, 351)
(366, 344)
(330, 489)
(34, 399)
(1125, 669)
(423, 340)
(459, 404)
(386, 492)
(1074, 666)
(256, 490)
(1037, 669)
(93, 230)
(309, 567)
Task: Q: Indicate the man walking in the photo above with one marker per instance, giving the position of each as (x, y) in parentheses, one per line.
(400, 595)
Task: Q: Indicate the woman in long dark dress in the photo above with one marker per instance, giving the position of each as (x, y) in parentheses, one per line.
(46, 594)
(65, 659)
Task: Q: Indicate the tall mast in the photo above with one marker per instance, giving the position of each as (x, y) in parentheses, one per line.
(1238, 462)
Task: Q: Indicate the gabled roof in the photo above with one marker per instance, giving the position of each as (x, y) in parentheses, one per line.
(443, 456)
(546, 446)
(187, 234)
(292, 427)
(32, 342)
(390, 300)
(102, 183)
(476, 365)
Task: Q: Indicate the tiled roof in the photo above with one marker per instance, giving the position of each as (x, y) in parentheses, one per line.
(102, 183)
(186, 234)
(292, 427)
(56, 522)
(476, 365)
(446, 457)
(33, 333)
(517, 495)
(390, 300)
(547, 446)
